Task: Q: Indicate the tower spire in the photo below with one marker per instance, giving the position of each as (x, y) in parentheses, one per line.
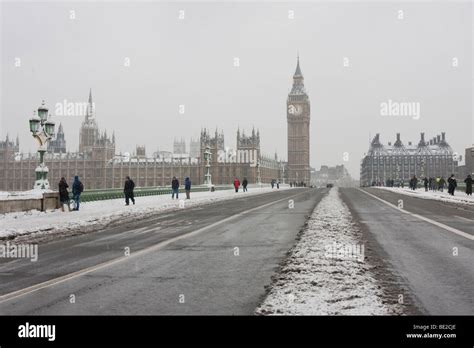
(298, 69)
(298, 80)
(90, 106)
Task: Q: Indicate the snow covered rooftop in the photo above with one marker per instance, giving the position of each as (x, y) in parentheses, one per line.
(436, 146)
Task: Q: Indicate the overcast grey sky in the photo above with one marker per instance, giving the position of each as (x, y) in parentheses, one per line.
(190, 61)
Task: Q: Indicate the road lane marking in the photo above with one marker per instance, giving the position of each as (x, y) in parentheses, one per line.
(463, 218)
(443, 226)
(73, 275)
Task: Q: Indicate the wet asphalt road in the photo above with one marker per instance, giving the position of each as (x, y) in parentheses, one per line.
(218, 258)
(422, 254)
(213, 259)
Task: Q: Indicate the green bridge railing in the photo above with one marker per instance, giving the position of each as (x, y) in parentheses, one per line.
(99, 195)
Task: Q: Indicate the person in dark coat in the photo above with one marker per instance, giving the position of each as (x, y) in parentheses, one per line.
(425, 183)
(174, 187)
(414, 182)
(441, 184)
(187, 187)
(468, 182)
(244, 184)
(64, 194)
(128, 190)
(452, 183)
(77, 189)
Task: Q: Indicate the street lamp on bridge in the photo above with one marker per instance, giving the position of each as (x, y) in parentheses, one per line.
(42, 129)
(259, 179)
(207, 159)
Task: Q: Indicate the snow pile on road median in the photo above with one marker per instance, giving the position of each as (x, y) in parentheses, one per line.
(459, 197)
(325, 273)
(94, 215)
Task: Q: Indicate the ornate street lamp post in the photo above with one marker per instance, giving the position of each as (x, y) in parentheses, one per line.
(422, 168)
(259, 179)
(282, 173)
(424, 171)
(207, 159)
(42, 129)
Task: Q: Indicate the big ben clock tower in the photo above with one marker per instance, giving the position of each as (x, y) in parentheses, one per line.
(298, 117)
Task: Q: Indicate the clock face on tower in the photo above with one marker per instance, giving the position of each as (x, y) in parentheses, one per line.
(295, 109)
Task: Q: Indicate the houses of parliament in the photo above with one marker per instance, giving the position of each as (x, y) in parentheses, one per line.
(100, 167)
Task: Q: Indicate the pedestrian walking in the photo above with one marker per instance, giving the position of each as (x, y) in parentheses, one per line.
(468, 182)
(64, 194)
(452, 183)
(425, 183)
(414, 182)
(244, 184)
(236, 184)
(187, 187)
(77, 189)
(128, 191)
(278, 184)
(442, 182)
(174, 187)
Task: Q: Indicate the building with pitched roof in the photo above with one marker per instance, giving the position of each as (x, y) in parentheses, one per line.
(400, 161)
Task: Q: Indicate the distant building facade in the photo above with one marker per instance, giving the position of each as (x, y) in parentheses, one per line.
(469, 161)
(58, 144)
(194, 148)
(141, 151)
(468, 167)
(99, 167)
(179, 146)
(8, 152)
(337, 175)
(399, 161)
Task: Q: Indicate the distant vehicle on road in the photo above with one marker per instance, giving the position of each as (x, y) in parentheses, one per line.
(329, 185)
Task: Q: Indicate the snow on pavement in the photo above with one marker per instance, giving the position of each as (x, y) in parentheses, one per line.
(23, 194)
(93, 215)
(325, 273)
(459, 197)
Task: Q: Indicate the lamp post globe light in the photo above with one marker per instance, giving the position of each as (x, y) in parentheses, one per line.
(422, 174)
(42, 129)
(207, 159)
(259, 179)
(283, 173)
